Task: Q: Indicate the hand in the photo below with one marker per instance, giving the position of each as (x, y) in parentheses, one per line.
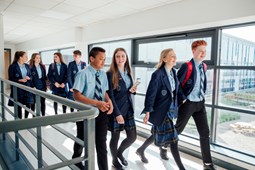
(111, 107)
(23, 80)
(103, 106)
(27, 78)
(62, 85)
(71, 90)
(146, 117)
(120, 119)
(184, 101)
(57, 84)
(133, 89)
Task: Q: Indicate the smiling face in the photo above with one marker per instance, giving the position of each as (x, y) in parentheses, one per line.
(170, 59)
(120, 59)
(56, 58)
(199, 53)
(37, 59)
(23, 58)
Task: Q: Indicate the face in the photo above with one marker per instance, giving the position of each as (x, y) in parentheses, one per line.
(98, 61)
(120, 58)
(37, 59)
(199, 53)
(56, 59)
(76, 57)
(23, 58)
(170, 59)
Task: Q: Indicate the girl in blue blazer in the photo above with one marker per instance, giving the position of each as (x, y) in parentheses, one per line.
(161, 106)
(57, 74)
(39, 78)
(20, 72)
(120, 90)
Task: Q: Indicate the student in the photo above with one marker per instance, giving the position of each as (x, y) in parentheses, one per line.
(73, 68)
(161, 105)
(57, 74)
(20, 72)
(120, 90)
(39, 78)
(192, 100)
(90, 87)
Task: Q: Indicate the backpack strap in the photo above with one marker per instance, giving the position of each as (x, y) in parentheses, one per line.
(188, 73)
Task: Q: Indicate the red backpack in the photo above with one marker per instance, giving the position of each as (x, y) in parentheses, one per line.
(189, 71)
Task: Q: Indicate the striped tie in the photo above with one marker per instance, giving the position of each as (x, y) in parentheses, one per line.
(98, 90)
(202, 76)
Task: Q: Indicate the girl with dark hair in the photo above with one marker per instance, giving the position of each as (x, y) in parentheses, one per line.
(39, 78)
(120, 90)
(57, 74)
(20, 72)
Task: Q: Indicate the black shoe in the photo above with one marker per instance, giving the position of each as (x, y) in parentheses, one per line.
(122, 160)
(209, 167)
(163, 154)
(117, 165)
(142, 156)
(80, 166)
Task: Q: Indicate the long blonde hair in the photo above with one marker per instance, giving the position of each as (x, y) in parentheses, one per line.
(114, 68)
(163, 54)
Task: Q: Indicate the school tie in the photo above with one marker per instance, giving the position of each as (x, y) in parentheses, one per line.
(202, 78)
(98, 90)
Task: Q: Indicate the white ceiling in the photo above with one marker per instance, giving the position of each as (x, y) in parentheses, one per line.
(29, 19)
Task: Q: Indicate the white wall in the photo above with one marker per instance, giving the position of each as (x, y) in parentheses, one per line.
(2, 73)
(181, 16)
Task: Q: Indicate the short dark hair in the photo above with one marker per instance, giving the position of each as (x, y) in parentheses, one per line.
(77, 52)
(95, 50)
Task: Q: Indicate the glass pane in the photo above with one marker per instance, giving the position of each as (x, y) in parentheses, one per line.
(150, 52)
(145, 76)
(237, 88)
(47, 58)
(111, 46)
(138, 106)
(236, 130)
(238, 46)
(191, 129)
(67, 54)
(208, 94)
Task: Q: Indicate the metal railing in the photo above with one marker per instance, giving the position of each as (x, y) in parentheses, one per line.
(85, 113)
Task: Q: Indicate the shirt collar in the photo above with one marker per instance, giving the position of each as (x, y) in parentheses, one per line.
(22, 66)
(93, 70)
(196, 63)
(58, 64)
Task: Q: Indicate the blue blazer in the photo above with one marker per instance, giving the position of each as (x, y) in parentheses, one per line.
(54, 77)
(159, 96)
(121, 97)
(189, 85)
(35, 78)
(14, 73)
(71, 72)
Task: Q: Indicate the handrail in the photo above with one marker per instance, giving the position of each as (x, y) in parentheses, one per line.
(85, 113)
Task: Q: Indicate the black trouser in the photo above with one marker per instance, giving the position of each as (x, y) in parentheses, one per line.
(101, 133)
(56, 108)
(43, 106)
(198, 112)
(20, 111)
(131, 137)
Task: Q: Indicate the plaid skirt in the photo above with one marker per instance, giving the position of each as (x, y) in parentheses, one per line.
(129, 124)
(165, 134)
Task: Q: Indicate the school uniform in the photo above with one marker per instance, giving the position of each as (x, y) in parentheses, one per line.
(161, 102)
(122, 103)
(39, 82)
(72, 70)
(58, 73)
(85, 83)
(15, 73)
(194, 105)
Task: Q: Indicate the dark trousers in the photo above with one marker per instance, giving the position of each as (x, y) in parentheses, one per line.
(20, 111)
(198, 112)
(43, 106)
(101, 148)
(56, 108)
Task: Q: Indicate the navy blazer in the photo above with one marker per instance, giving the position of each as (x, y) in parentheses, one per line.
(35, 77)
(14, 73)
(159, 96)
(72, 69)
(54, 77)
(121, 97)
(189, 85)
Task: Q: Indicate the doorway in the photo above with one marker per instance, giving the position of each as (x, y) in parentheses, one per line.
(7, 62)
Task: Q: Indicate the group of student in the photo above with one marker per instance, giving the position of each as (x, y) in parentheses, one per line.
(169, 95)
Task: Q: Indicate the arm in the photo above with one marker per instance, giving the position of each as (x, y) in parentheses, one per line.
(69, 76)
(50, 74)
(181, 76)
